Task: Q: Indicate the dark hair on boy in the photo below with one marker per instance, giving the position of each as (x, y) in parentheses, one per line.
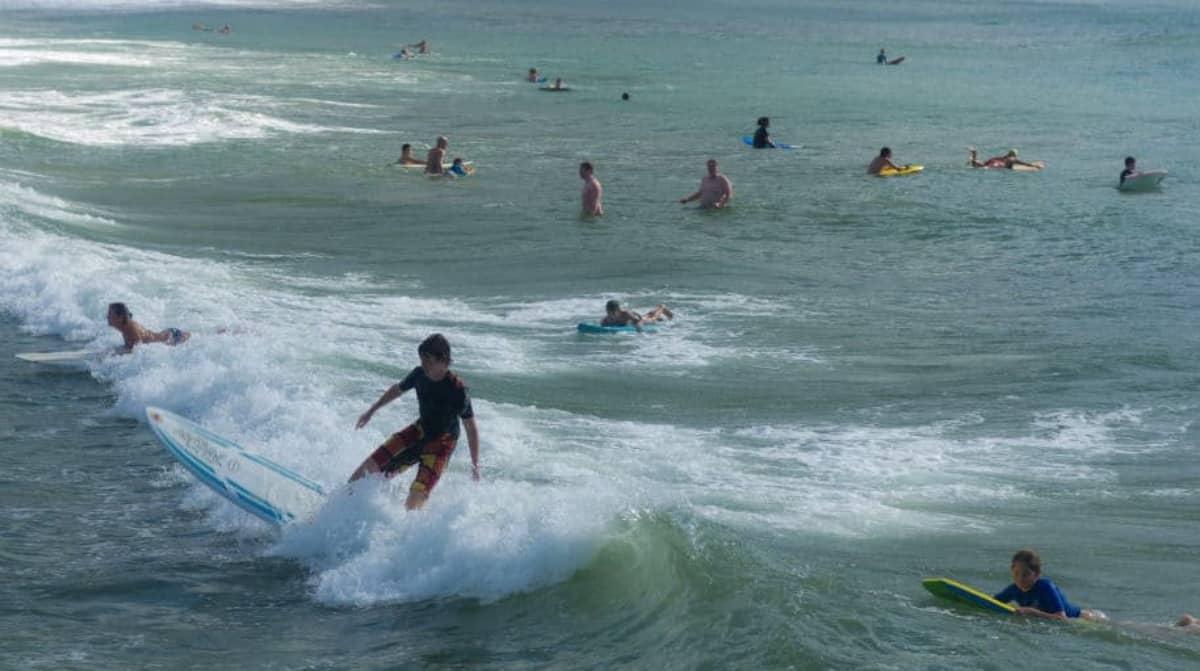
(405, 146)
(612, 306)
(586, 165)
(1130, 159)
(886, 151)
(1029, 558)
(435, 346)
(763, 121)
(119, 310)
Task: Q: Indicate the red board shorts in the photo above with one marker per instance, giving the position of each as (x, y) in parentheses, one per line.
(410, 446)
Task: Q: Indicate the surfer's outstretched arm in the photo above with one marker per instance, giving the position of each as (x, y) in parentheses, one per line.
(393, 392)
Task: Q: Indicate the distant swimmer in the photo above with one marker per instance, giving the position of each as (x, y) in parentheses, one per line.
(121, 319)
(715, 189)
(433, 160)
(460, 169)
(762, 137)
(533, 75)
(615, 315)
(1037, 596)
(1008, 160)
(225, 29)
(406, 157)
(422, 47)
(427, 443)
(884, 159)
(558, 84)
(1188, 622)
(593, 192)
(1130, 169)
(882, 59)
(625, 96)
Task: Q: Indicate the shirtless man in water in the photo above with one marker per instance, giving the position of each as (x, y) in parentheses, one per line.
(715, 189)
(433, 161)
(406, 157)
(592, 191)
(121, 319)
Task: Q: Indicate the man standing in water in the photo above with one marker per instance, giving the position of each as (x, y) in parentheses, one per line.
(592, 191)
(435, 157)
(715, 189)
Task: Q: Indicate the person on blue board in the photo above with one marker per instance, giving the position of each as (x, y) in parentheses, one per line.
(1130, 168)
(460, 169)
(121, 319)
(615, 315)
(884, 159)
(762, 137)
(533, 76)
(1037, 596)
(428, 443)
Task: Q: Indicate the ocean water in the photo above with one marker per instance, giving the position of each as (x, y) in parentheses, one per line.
(869, 381)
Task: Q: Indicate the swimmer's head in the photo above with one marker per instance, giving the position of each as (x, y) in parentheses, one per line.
(1026, 568)
(886, 152)
(1130, 161)
(624, 96)
(406, 147)
(442, 142)
(712, 166)
(764, 121)
(1012, 153)
(118, 313)
(585, 169)
(456, 161)
(613, 306)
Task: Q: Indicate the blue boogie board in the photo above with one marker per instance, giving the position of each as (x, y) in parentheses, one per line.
(749, 140)
(253, 483)
(593, 327)
(965, 594)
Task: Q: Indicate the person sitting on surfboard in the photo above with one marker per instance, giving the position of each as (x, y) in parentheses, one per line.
(121, 319)
(443, 399)
(1008, 160)
(884, 159)
(615, 315)
(406, 157)
(1037, 596)
(1130, 168)
(762, 138)
(881, 59)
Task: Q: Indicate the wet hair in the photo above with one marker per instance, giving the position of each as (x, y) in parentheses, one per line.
(625, 96)
(586, 165)
(1130, 159)
(436, 346)
(1029, 558)
(612, 306)
(764, 121)
(456, 160)
(886, 151)
(532, 70)
(405, 146)
(120, 310)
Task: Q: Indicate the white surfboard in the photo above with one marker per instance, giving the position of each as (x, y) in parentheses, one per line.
(252, 482)
(1143, 181)
(67, 359)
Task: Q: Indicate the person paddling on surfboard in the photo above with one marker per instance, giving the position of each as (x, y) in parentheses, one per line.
(884, 159)
(615, 315)
(428, 442)
(762, 137)
(1008, 160)
(1037, 596)
(121, 319)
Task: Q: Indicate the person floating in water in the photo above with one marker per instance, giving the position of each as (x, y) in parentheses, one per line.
(1130, 169)
(422, 47)
(1037, 596)
(558, 85)
(1188, 622)
(533, 76)
(225, 29)
(762, 137)
(615, 315)
(429, 442)
(593, 192)
(715, 189)
(1008, 160)
(121, 319)
(883, 160)
(433, 160)
(406, 157)
(460, 169)
(625, 96)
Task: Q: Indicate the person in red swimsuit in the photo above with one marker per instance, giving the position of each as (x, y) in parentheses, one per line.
(429, 441)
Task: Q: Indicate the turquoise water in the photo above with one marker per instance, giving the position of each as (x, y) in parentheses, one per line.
(870, 381)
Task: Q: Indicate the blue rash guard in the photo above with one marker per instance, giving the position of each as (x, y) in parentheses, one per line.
(1044, 595)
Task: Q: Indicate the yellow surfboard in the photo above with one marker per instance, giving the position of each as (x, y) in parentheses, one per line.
(889, 171)
(965, 594)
